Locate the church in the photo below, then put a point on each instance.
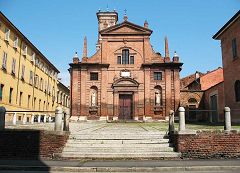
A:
(125, 79)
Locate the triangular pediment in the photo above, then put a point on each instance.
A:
(126, 28)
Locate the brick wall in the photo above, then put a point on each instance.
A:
(231, 66)
(29, 144)
(216, 144)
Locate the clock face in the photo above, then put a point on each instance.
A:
(125, 74)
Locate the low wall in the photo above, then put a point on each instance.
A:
(31, 144)
(208, 144)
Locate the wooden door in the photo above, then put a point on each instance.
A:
(125, 107)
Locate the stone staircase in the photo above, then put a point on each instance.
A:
(125, 145)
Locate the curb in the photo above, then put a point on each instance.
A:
(120, 169)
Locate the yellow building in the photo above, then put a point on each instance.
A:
(28, 80)
(63, 96)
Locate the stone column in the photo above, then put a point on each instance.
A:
(39, 118)
(58, 119)
(171, 122)
(66, 120)
(2, 117)
(227, 122)
(24, 121)
(14, 120)
(32, 119)
(49, 119)
(181, 118)
(45, 118)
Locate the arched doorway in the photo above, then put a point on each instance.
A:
(124, 94)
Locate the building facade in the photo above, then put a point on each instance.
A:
(125, 79)
(229, 35)
(28, 80)
(63, 96)
(202, 96)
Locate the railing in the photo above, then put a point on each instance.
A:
(59, 117)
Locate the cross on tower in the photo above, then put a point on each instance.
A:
(125, 15)
(125, 12)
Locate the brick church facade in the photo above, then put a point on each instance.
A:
(125, 79)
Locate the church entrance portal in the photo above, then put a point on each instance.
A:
(125, 107)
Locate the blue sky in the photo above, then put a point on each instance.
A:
(57, 27)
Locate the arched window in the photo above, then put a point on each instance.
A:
(158, 95)
(237, 90)
(93, 96)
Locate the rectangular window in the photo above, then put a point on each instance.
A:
(93, 76)
(31, 77)
(157, 75)
(33, 57)
(46, 87)
(20, 98)
(7, 34)
(131, 59)
(10, 95)
(39, 106)
(49, 89)
(24, 50)
(23, 71)
(44, 105)
(1, 92)
(4, 62)
(29, 99)
(34, 102)
(13, 66)
(36, 81)
(234, 48)
(118, 59)
(125, 56)
(15, 42)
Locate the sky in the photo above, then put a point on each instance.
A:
(57, 27)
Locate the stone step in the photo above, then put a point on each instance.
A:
(132, 149)
(122, 137)
(82, 145)
(118, 133)
(152, 155)
(118, 141)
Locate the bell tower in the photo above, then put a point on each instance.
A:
(106, 19)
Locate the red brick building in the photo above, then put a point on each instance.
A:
(201, 91)
(125, 79)
(229, 35)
